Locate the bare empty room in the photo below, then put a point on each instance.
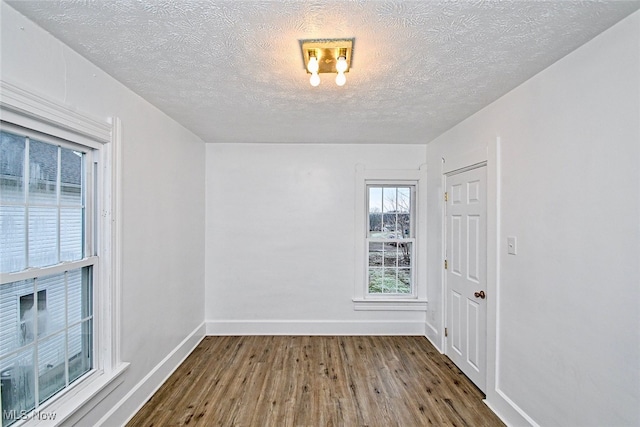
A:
(320, 213)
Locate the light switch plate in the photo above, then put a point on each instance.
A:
(512, 245)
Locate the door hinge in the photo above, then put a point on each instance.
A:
(446, 332)
(446, 264)
(446, 196)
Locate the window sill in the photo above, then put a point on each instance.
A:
(73, 402)
(389, 304)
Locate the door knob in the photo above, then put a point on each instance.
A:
(480, 294)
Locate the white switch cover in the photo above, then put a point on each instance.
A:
(512, 245)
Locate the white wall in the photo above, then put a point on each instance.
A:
(163, 204)
(567, 346)
(280, 239)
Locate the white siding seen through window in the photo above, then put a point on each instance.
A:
(46, 317)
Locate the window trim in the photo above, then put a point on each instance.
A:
(32, 111)
(362, 299)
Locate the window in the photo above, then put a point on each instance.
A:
(47, 261)
(61, 235)
(390, 239)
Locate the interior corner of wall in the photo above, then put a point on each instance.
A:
(432, 334)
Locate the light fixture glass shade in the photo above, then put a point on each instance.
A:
(313, 66)
(314, 80)
(341, 64)
(341, 79)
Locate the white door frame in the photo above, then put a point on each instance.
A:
(488, 155)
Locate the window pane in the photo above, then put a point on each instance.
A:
(404, 254)
(71, 177)
(404, 281)
(11, 167)
(80, 350)
(375, 211)
(28, 317)
(18, 385)
(404, 211)
(43, 236)
(51, 366)
(71, 232)
(375, 254)
(12, 316)
(375, 199)
(404, 225)
(404, 199)
(390, 281)
(79, 294)
(43, 172)
(13, 247)
(375, 225)
(375, 280)
(51, 305)
(33, 319)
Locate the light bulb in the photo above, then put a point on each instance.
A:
(312, 65)
(341, 64)
(341, 79)
(314, 80)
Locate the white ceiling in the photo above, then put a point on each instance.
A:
(232, 71)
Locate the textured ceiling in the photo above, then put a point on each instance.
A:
(232, 71)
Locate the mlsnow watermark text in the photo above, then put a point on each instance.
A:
(15, 415)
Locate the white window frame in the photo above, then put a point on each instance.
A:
(31, 111)
(417, 299)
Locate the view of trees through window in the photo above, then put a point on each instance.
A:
(390, 239)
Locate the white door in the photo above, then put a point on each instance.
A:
(466, 272)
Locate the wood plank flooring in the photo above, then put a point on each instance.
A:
(316, 381)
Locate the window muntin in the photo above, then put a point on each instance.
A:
(390, 239)
(46, 292)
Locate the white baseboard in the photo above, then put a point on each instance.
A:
(319, 327)
(131, 403)
(510, 413)
(434, 337)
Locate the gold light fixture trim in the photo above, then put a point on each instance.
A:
(331, 56)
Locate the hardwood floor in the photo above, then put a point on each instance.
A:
(316, 381)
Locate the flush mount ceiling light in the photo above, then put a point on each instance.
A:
(327, 56)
